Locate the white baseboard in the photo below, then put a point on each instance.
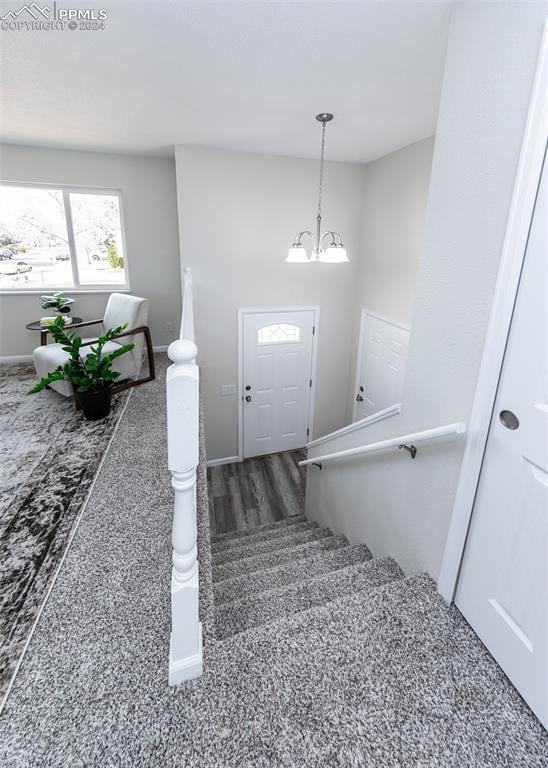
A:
(15, 359)
(226, 460)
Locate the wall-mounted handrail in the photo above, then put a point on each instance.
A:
(368, 421)
(187, 315)
(458, 428)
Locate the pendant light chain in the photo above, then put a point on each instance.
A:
(322, 154)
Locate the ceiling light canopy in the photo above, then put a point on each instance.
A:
(335, 253)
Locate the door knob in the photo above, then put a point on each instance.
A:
(248, 398)
(509, 420)
(359, 398)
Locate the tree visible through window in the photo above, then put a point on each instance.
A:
(59, 238)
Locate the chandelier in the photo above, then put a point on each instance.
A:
(335, 253)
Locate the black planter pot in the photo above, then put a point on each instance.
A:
(96, 405)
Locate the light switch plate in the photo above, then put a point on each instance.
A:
(228, 389)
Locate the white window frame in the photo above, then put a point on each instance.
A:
(77, 287)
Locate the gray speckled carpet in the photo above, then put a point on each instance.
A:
(49, 456)
(342, 664)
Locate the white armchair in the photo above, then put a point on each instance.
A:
(121, 309)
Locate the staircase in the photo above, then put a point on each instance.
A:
(314, 653)
(322, 655)
(267, 574)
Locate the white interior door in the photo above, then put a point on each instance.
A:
(381, 365)
(277, 379)
(503, 586)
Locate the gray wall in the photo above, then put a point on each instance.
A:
(394, 210)
(238, 214)
(402, 507)
(150, 215)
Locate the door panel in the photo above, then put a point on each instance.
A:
(265, 373)
(382, 365)
(503, 586)
(289, 418)
(290, 369)
(264, 422)
(277, 362)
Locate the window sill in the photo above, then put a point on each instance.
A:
(67, 291)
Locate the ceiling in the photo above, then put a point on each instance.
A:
(236, 75)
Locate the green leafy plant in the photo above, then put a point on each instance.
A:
(115, 261)
(90, 374)
(57, 301)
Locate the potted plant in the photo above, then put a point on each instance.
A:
(57, 301)
(92, 377)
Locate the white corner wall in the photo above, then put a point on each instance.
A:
(394, 209)
(150, 216)
(238, 214)
(398, 506)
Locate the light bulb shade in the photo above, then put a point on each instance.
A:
(297, 254)
(335, 254)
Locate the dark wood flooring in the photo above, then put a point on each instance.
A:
(256, 491)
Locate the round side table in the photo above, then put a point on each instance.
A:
(37, 326)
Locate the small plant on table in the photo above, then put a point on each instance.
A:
(57, 301)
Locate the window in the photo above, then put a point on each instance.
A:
(53, 237)
(280, 333)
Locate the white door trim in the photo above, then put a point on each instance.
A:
(260, 310)
(363, 316)
(513, 254)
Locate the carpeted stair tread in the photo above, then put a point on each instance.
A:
(252, 538)
(231, 554)
(321, 616)
(390, 677)
(264, 560)
(276, 604)
(258, 529)
(288, 573)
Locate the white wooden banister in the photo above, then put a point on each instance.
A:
(183, 425)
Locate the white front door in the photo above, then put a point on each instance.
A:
(277, 379)
(503, 586)
(381, 365)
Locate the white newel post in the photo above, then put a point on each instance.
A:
(182, 384)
